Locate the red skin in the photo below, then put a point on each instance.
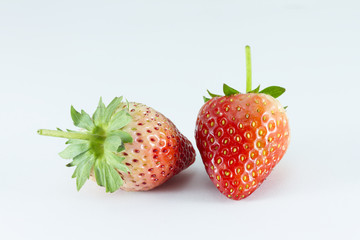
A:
(158, 151)
(241, 138)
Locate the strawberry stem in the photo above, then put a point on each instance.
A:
(61, 134)
(248, 68)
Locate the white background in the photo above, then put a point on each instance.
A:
(166, 54)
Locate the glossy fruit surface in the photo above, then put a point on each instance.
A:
(158, 151)
(241, 138)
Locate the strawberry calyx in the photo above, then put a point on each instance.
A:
(274, 91)
(97, 146)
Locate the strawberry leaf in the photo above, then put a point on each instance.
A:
(212, 94)
(125, 137)
(120, 120)
(96, 148)
(84, 163)
(73, 150)
(110, 109)
(206, 99)
(274, 91)
(99, 113)
(228, 91)
(82, 119)
(256, 90)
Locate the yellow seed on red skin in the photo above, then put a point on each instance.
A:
(253, 124)
(226, 109)
(219, 133)
(218, 178)
(234, 149)
(212, 124)
(212, 140)
(207, 115)
(240, 125)
(231, 190)
(219, 161)
(247, 115)
(223, 122)
(238, 108)
(227, 173)
(242, 158)
(238, 139)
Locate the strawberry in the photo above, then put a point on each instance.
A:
(241, 137)
(124, 145)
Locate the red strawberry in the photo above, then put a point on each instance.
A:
(128, 146)
(241, 137)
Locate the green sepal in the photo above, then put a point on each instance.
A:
(125, 137)
(98, 116)
(113, 179)
(228, 91)
(285, 107)
(116, 161)
(73, 150)
(256, 90)
(120, 120)
(106, 175)
(81, 120)
(274, 91)
(111, 108)
(84, 165)
(99, 171)
(206, 99)
(212, 94)
(112, 143)
(96, 147)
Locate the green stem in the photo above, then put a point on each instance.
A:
(248, 68)
(61, 134)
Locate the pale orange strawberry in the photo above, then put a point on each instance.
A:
(129, 146)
